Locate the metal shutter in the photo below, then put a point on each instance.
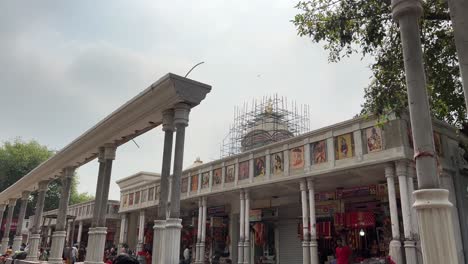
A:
(290, 247)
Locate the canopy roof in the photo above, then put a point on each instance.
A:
(139, 115)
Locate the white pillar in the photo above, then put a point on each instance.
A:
(123, 229)
(305, 223)
(19, 236)
(247, 228)
(158, 241)
(395, 244)
(80, 230)
(173, 225)
(141, 231)
(199, 225)
(6, 234)
(414, 216)
(313, 232)
(410, 244)
(160, 222)
(203, 231)
(2, 211)
(172, 238)
(240, 255)
(432, 204)
(67, 238)
(58, 237)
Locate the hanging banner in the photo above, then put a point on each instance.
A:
(255, 215)
(356, 191)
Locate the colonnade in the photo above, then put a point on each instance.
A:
(167, 228)
(309, 234)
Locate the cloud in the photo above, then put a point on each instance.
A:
(65, 65)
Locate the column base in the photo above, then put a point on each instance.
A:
(98, 244)
(410, 252)
(158, 241)
(395, 251)
(5, 242)
(17, 243)
(240, 255)
(56, 251)
(246, 252)
(172, 240)
(34, 241)
(202, 252)
(305, 252)
(314, 252)
(435, 224)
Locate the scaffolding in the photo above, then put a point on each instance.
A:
(265, 121)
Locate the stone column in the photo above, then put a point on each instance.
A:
(199, 223)
(67, 238)
(80, 231)
(58, 237)
(410, 244)
(98, 231)
(305, 223)
(35, 238)
(203, 231)
(22, 213)
(123, 230)
(6, 234)
(414, 216)
(173, 227)
(2, 211)
(395, 244)
(240, 256)
(247, 228)
(160, 222)
(141, 231)
(313, 232)
(432, 204)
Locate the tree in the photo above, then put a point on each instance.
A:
(18, 158)
(366, 27)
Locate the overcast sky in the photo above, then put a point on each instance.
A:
(65, 65)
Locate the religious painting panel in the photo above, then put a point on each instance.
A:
(344, 146)
(296, 158)
(318, 152)
(205, 180)
(151, 194)
(194, 183)
(259, 168)
(217, 176)
(130, 199)
(243, 170)
(230, 174)
(184, 185)
(374, 139)
(277, 163)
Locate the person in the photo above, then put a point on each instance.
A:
(74, 253)
(125, 259)
(342, 253)
(186, 255)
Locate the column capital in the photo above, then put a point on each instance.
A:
(204, 201)
(389, 170)
(12, 202)
(25, 195)
(303, 185)
(168, 120)
(69, 172)
(101, 154)
(181, 114)
(406, 7)
(246, 194)
(310, 183)
(401, 168)
(43, 186)
(109, 151)
(241, 194)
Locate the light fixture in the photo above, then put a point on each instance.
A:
(362, 233)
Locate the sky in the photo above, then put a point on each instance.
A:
(65, 65)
